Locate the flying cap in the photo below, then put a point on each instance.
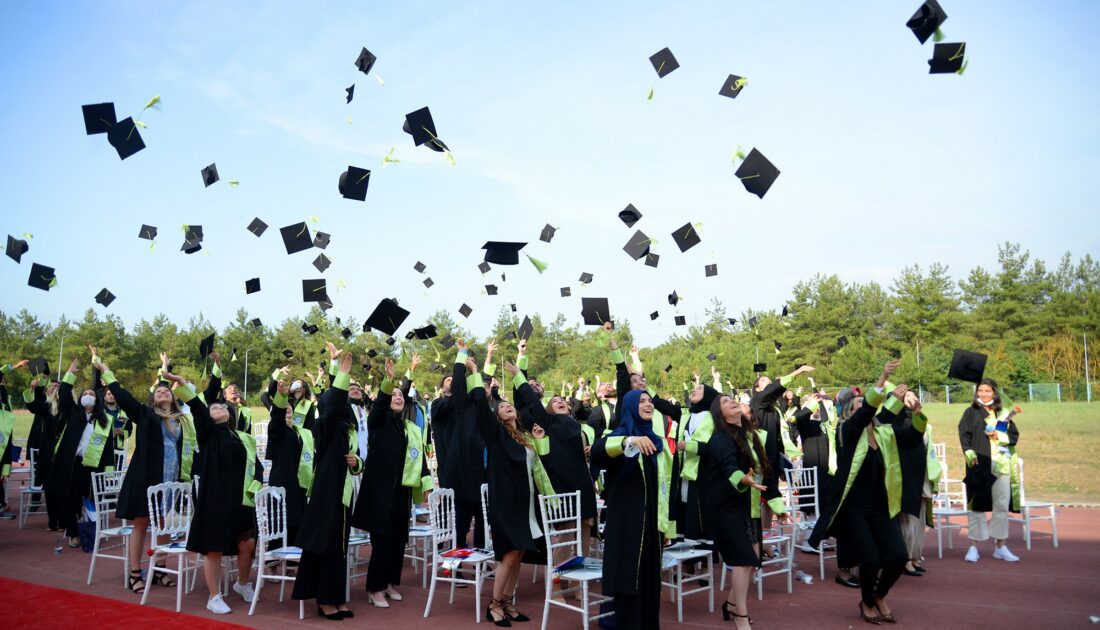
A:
(686, 237)
(125, 138)
(595, 311)
(638, 245)
(630, 215)
(354, 182)
(42, 277)
(210, 175)
(663, 62)
(421, 127)
(252, 286)
(16, 248)
(757, 174)
(296, 237)
(387, 316)
(927, 20)
(314, 290)
(967, 366)
(104, 297)
(99, 118)
(502, 253)
(365, 61)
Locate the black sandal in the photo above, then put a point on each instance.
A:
(498, 605)
(136, 583)
(728, 609)
(162, 578)
(508, 605)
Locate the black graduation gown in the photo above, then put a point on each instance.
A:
(324, 525)
(599, 420)
(387, 446)
(566, 465)
(726, 510)
(914, 469)
(979, 478)
(815, 448)
(631, 533)
(74, 421)
(768, 418)
(284, 449)
(220, 516)
(43, 434)
(463, 465)
(147, 463)
(441, 414)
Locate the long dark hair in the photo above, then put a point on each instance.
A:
(748, 427)
(98, 413)
(996, 405)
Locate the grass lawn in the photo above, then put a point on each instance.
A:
(1056, 441)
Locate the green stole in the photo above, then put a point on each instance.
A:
(410, 474)
(7, 425)
(353, 443)
(702, 435)
(305, 460)
(888, 446)
(93, 452)
(251, 485)
(301, 410)
(189, 447)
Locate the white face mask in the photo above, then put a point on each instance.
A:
(295, 386)
(87, 401)
(985, 403)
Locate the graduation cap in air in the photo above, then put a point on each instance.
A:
(257, 322)
(681, 320)
(104, 297)
(354, 182)
(778, 346)
(927, 20)
(42, 277)
(668, 368)
(125, 138)
(663, 62)
(759, 367)
(732, 321)
(296, 237)
(652, 259)
(387, 316)
(712, 357)
(513, 307)
(586, 278)
(841, 341)
(372, 353)
(365, 61)
(686, 237)
(310, 329)
(510, 334)
(638, 245)
(210, 174)
(785, 312)
(288, 354)
(483, 267)
(257, 227)
(630, 215)
(321, 240)
(967, 366)
(947, 58)
(206, 346)
(421, 127)
(39, 366)
(673, 299)
(732, 86)
(447, 342)
(654, 315)
(753, 322)
(491, 289)
(351, 92)
(547, 233)
(465, 310)
(390, 341)
(501, 253)
(428, 283)
(16, 248)
(595, 311)
(252, 286)
(321, 263)
(419, 267)
(427, 332)
(526, 328)
(757, 173)
(410, 335)
(192, 239)
(99, 118)
(314, 290)
(711, 270)
(566, 292)
(147, 232)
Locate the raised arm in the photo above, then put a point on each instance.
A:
(66, 405)
(527, 400)
(459, 397)
(204, 424)
(213, 390)
(485, 423)
(381, 406)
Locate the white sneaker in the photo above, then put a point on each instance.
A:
(217, 605)
(807, 548)
(972, 554)
(1002, 553)
(245, 591)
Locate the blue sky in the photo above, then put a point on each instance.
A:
(544, 107)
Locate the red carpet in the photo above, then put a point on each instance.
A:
(33, 606)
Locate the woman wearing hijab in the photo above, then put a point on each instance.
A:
(43, 402)
(637, 463)
(728, 481)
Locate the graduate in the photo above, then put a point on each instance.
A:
(164, 452)
(43, 402)
(230, 395)
(323, 537)
(603, 412)
(729, 478)
(767, 415)
(85, 446)
(637, 462)
(516, 478)
(866, 498)
(224, 521)
(817, 431)
(919, 475)
(395, 474)
(988, 435)
(291, 450)
(696, 430)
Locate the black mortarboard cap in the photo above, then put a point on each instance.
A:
(526, 328)
(421, 127)
(654, 315)
(686, 237)
(210, 174)
(681, 320)
(586, 278)
(252, 286)
(673, 299)
(321, 263)
(595, 311)
(928, 18)
(16, 248)
(42, 277)
(491, 289)
(419, 267)
(759, 367)
(39, 366)
(711, 270)
(668, 368)
(638, 245)
(967, 366)
(513, 307)
(427, 332)
(257, 322)
(663, 62)
(365, 61)
(192, 239)
(752, 322)
(387, 316)
(778, 345)
(565, 292)
(310, 329)
(372, 353)
(321, 239)
(147, 232)
(125, 138)
(428, 283)
(502, 253)
(351, 92)
(483, 267)
(785, 312)
(651, 260)
(206, 346)
(354, 183)
(296, 237)
(257, 227)
(99, 118)
(390, 341)
(947, 58)
(104, 297)
(841, 341)
(465, 310)
(547, 233)
(630, 215)
(511, 334)
(732, 321)
(325, 304)
(757, 173)
(447, 342)
(314, 290)
(712, 357)
(732, 86)
(288, 353)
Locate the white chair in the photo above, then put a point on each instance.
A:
(105, 489)
(561, 520)
(417, 550)
(120, 460)
(1026, 518)
(952, 488)
(358, 540)
(485, 516)
(802, 494)
(28, 505)
(441, 502)
(271, 526)
(783, 562)
(673, 563)
(266, 463)
(170, 512)
(949, 504)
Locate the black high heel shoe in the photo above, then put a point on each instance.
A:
(872, 619)
(728, 609)
(336, 616)
(508, 606)
(499, 605)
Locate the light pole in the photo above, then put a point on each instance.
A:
(1088, 384)
(246, 373)
(61, 353)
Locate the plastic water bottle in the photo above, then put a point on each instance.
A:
(804, 577)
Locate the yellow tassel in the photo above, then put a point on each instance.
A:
(541, 266)
(314, 219)
(650, 97)
(234, 182)
(141, 124)
(379, 79)
(153, 102)
(450, 158)
(349, 121)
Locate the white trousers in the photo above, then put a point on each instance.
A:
(912, 531)
(997, 525)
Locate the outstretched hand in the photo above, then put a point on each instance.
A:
(282, 387)
(389, 369)
(74, 366)
(511, 368)
(415, 361)
(333, 352)
(101, 366)
(538, 432)
(346, 359)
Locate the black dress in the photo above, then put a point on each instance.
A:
(43, 436)
(284, 449)
(815, 447)
(147, 463)
(462, 468)
(726, 508)
(767, 417)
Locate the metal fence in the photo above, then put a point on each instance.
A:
(1074, 391)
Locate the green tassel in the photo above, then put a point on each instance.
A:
(450, 158)
(349, 121)
(541, 266)
(650, 97)
(389, 159)
(379, 79)
(153, 102)
(962, 68)
(937, 36)
(234, 183)
(141, 124)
